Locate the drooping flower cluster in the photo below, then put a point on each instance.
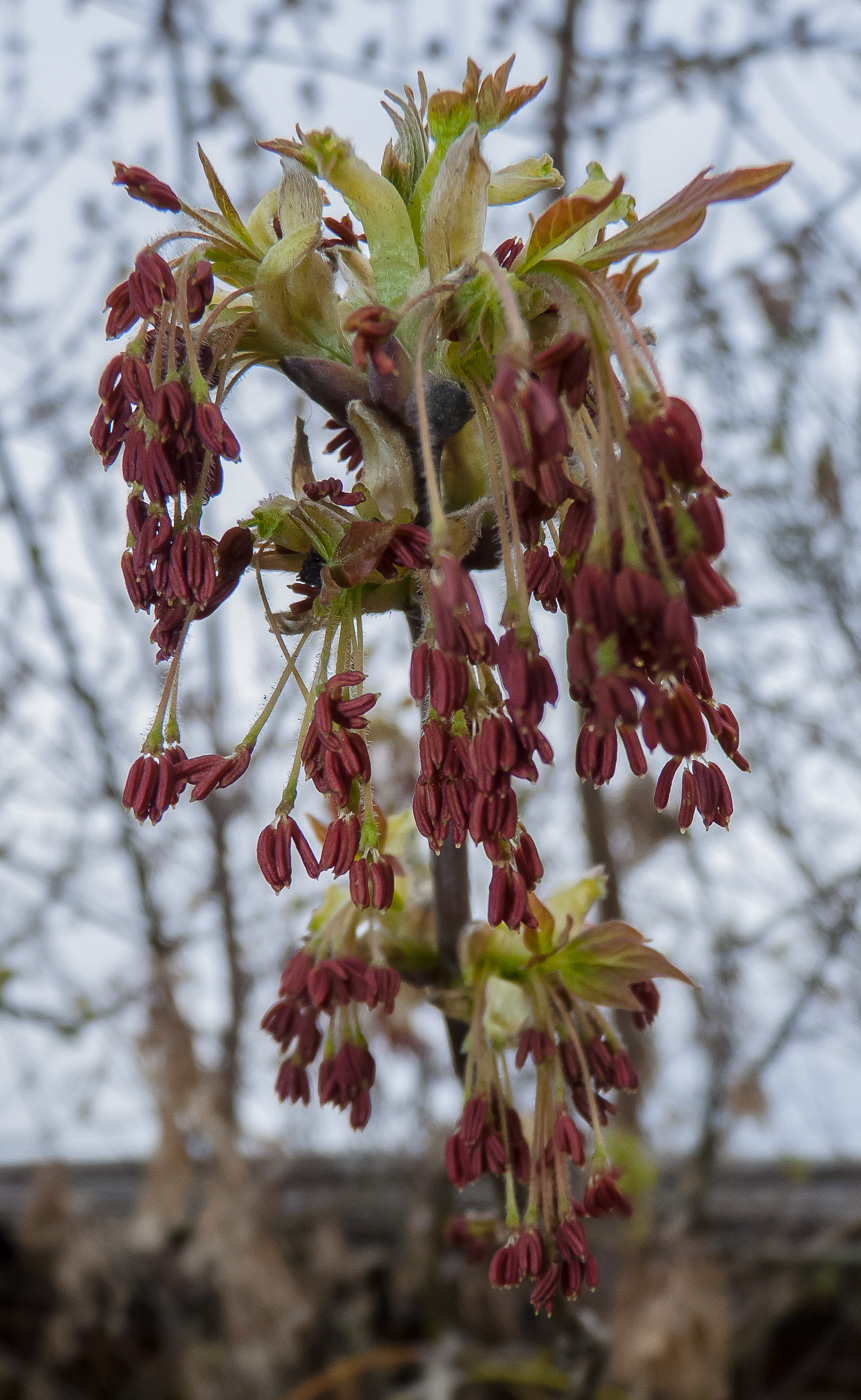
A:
(335, 987)
(537, 991)
(497, 410)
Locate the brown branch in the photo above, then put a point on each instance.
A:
(558, 128)
(349, 1367)
(450, 875)
(811, 985)
(238, 980)
(156, 938)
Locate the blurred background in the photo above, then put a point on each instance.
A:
(167, 1229)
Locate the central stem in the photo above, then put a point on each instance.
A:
(450, 876)
(451, 906)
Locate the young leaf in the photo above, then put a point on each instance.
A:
(573, 902)
(359, 551)
(301, 470)
(622, 207)
(387, 469)
(371, 199)
(601, 964)
(514, 183)
(457, 208)
(225, 203)
(563, 219)
(680, 217)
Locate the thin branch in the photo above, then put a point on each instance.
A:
(89, 703)
(559, 130)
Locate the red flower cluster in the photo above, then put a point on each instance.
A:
(328, 986)
(172, 449)
(549, 1244)
(631, 596)
(334, 753)
(591, 493)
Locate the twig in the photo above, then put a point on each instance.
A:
(349, 1367)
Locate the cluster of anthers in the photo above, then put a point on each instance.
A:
(498, 411)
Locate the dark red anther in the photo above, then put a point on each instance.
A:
(383, 984)
(708, 518)
(503, 1271)
(331, 489)
(649, 998)
(212, 771)
(214, 432)
(536, 1043)
(281, 1021)
(121, 314)
(456, 1163)
(508, 252)
(603, 1197)
(563, 368)
(571, 1279)
(593, 600)
(571, 1238)
(527, 860)
(706, 591)
(419, 671)
(151, 284)
(625, 1074)
(199, 289)
(723, 809)
(595, 755)
(634, 752)
(543, 1294)
(568, 1139)
(341, 844)
(140, 184)
(292, 1083)
(664, 785)
(360, 892)
(687, 806)
(530, 1253)
(371, 327)
(360, 1110)
(294, 978)
(309, 1037)
(274, 852)
(678, 631)
(381, 878)
(172, 409)
(672, 441)
(706, 792)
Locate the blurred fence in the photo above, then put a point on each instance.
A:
(760, 1298)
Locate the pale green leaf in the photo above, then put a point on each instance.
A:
(514, 183)
(563, 219)
(387, 470)
(228, 210)
(457, 209)
(680, 217)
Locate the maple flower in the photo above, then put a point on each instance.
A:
(498, 411)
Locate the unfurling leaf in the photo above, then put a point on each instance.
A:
(371, 199)
(457, 208)
(570, 904)
(601, 964)
(680, 217)
(301, 470)
(514, 183)
(225, 204)
(595, 187)
(505, 1011)
(359, 552)
(563, 219)
(387, 470)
